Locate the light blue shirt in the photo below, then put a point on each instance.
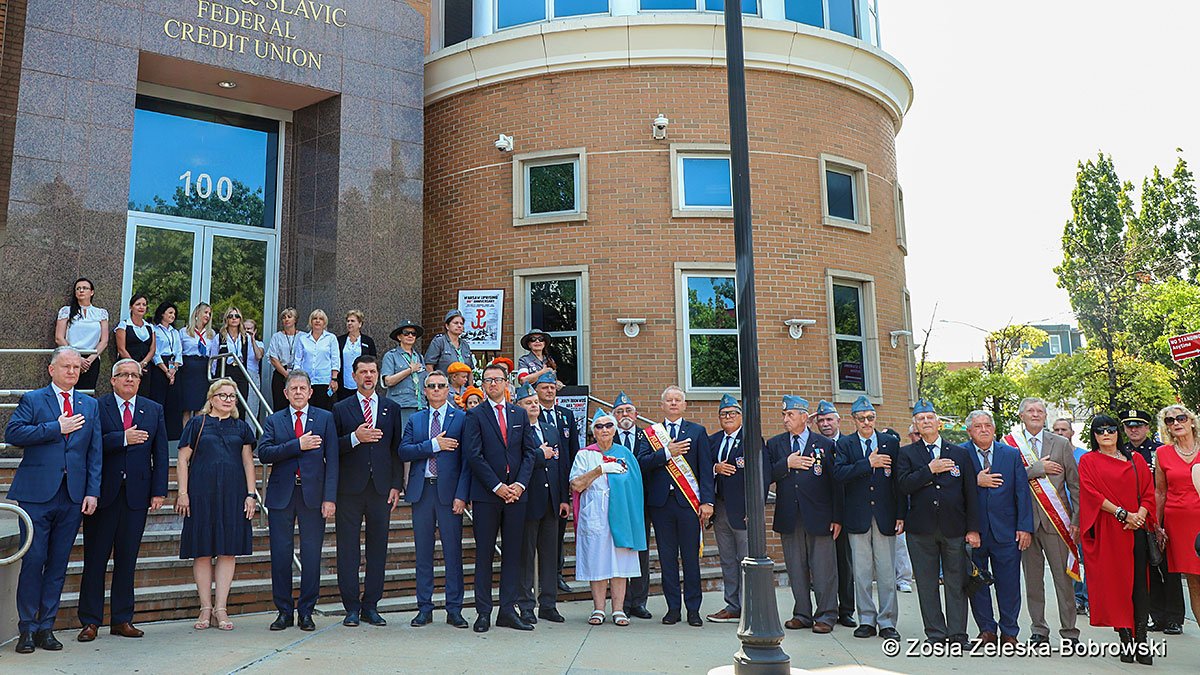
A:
(803, 436)
(979, 453)
(351, 351)
(429, 430)
(167, 342)
(874, 443)
(318, 358)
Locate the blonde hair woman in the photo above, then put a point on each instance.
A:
(1178, 504)
(321, 359)
(352, 345)
(199, 342)
(284, 351)
(233, 339)
(216, 498)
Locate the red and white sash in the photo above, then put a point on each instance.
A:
(680, 471)
(1047, 497)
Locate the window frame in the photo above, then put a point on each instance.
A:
(859, 184)
(683, 331)
(523, 277)
(858, 20)
(870, 337)
(901, 225)
(682, 151)
(1050, 345)
(520, 199)
(910, 358)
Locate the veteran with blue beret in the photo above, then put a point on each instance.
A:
(630, 436)
(729, 507)
(827, 422)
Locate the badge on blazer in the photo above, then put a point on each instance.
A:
(816, 469)
(556, 453)
(740, 462)
(954, 471)
(887, 472)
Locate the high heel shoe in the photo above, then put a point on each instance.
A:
(204, 620)
(1143, 655)
(226, 624)
(1126, 644)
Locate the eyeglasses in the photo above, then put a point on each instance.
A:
(1181, 418)
(408, 332)
(729, 413)
(436, 385)
(131, 376)
(492, 380)
(537, 338)
(605, 425)
(226, 397)
(865, 418)
(235, 316)
(1106, 430)
(83, 288)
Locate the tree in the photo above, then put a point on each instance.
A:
(971, 388)
(1169, 309)
(1086, 376)
(244, 207)
(714, 357)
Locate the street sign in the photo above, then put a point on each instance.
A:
(1185, 346)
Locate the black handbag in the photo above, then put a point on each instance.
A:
(1154, 554)
(977, 579)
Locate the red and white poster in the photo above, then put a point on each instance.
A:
(1185, 346)
(483, 312)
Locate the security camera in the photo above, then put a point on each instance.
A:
(504, 143)
(659, 128)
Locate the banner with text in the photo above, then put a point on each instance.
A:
(484, 315)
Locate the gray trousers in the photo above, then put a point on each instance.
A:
(804, 554)
(1048, 547)
(732, 547)
(904, 572)
(874, 558)
(541, 539)
(928, 552)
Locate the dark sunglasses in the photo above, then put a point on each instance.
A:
(436, 385)
(235, 316)
(1135, 424)
(408, 332)
(605, 425)
(1106, 430)
(537, 338)
(1181, 418)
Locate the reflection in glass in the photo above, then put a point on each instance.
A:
(162, 268)
(850, 366)
(712, 331)
(839, 188)
(668, 4)
(706, 182)
(239, 276)
(805, 11)
(711, 302)
(847, 316)
(552, 188)
(748, 6)
(843, 17)
(580, 7)
(714, 360)
(554, 308)
(516, 12)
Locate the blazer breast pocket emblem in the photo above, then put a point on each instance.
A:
(740, 462)
(887, 471)
(954, 471)
(816, 469)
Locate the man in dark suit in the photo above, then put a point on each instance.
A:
(57, 483)
(808, 516)
(873, 514)
(677, 519)
(133, 480)
(630, 436)
(370, 476)
(1006, 519)
(300, 443)
(729, 506)
(439, 485)
(564, 420)
(828, 422)
(943, 510)
(499, 444)
(548, 503)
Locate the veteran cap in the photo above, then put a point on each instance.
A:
(861, 404)
(825, 408)
(728, 401)
(523, 392)
(795, 403)
(923, 406)
(546, 378)
(622, 399)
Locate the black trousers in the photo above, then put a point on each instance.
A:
(1166, 595)
(1141, 586)
(351, 509)
(321, 397)
(507, 520)
(112, 531)
(845, 570)
(541, 542)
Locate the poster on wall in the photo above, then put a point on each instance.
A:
(483, 312)
(578, 405)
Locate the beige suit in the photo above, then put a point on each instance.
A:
(1047, 546)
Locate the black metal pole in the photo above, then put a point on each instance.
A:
(760, 631)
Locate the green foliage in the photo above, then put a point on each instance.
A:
(972, 388)
(1169, 309)
(163, 269)
(243, 208)
(552, 188)
(1084, 377)
(930, 381)
(714, 357)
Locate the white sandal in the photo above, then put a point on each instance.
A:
(597, 617)
(620, 618)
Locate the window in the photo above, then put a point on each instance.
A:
(555, 300)
(844, 201)
(708, 318)
(836, 15)
(854, 347)
(748, 6)
(457, 19)
(843, 16)
(901, 226)
(909, 346)
(700, 181)
(550, 187)
(668, 4)
(873, 22)
(579, 7)
(811, 12)
(511, 13)
(1055, 344)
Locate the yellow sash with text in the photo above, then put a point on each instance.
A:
(679, 470)
(1047, 497)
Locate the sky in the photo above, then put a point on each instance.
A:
(1009, 98)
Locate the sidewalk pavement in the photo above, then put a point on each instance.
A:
(572, 647)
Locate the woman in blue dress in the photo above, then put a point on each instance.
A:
(217, 498)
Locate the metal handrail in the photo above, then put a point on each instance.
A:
(4, 506)
(237, 361)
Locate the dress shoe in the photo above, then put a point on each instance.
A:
(126, 629)
(822, 627)
(482, 623)
(671, 617)
(305, 622)
(422, 619)
(45, 640)
(639, 611)
(889, 633)
(284, 620)
(1173, 629)
(694, 619)
(351, 619)
(724, 616)
(562, 585)
(456, 619)
(371, 616)
(550, 614)
(797, 624)
(1155, 626)
(25, 642)
(1081, 608)
(986, 637)
(904, 587)
(512, 620)
(1039, 640)
(847, 621)
(88, 633)
(864, 631)
(1009, 640)
(527, 616)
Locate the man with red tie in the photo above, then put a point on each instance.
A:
(499, 446)
(300, 443)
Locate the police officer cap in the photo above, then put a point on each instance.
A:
(825, 408)
(923, 406)
(546, 378)
(524, 391)
(622, 399)
(1135, 417)
(861, 404)
(728, 401)
(795, 403)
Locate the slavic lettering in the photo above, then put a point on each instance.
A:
(275, 31)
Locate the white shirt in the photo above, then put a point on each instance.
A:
(142, 331)
(429, 430)
(351, 351)
(303, 416)
(374, 403)
(58, 396)
(937, 447)
(84, 332)
(319, 358)
(167, 343)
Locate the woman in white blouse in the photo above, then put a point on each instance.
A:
(135, 339)
(199, 342)
(160, 387)
(84, 327)
(321, 359)
(233, 339)
(284, 351)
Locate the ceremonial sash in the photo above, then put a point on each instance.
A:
(679, 470)
(1047, 497)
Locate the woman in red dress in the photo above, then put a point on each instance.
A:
(1116, 496)
(1178, 503)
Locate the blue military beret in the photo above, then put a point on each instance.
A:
(795, 403)
(547, 378)
(622, 399)
(523, 392)
(825, 408)
(923, 406)
(861, 404)
(728, 401)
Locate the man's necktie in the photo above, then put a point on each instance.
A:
(367, 416)
(987, 460)
(503, 422)
(1037, 445)
(299, 433)
(627, 442)
(67, 406)
(931, 447)
(435, 428)
(674, 430)
(127, 418)
(867, 444)
(795, 444)
(725, 450)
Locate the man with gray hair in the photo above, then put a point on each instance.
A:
(1050, 463)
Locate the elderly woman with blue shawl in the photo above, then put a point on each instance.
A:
(609, 523)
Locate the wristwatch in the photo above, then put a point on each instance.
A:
(252, 495)
(1121, 514)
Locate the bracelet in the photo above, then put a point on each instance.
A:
(1121, 514)
(253, 496)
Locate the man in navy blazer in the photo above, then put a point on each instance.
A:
(729, 506)
(370, 477)
(439, 486)
(677, 525)
(549, 498)
(133, 481)
(563, 420)
(630, 436)
(1006, 527)
(808, 516)
(499, 444)
(300, 442)
(872, 515)
(57, 483)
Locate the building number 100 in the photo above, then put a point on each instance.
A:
(204, 186)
